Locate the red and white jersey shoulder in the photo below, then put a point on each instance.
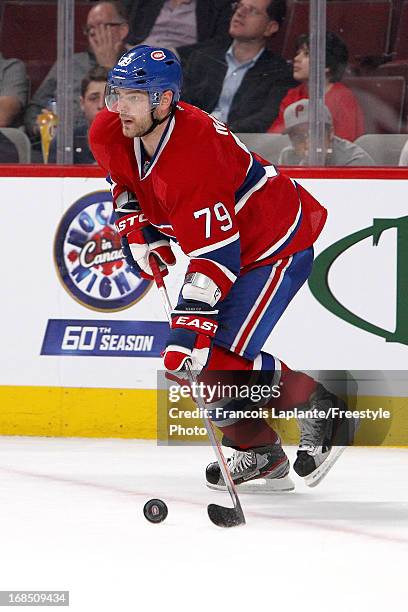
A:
(204, 188)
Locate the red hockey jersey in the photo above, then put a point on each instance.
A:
(228, 212)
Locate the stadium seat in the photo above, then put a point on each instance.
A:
(382, 100)
(364, 26)
(268, 146)
(275, 43)
(385, 149)
(400, 48)
(29, 32)
(397, 68)
(21, 141)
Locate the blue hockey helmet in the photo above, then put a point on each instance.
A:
(145, 68)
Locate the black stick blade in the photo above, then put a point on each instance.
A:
(225, 517)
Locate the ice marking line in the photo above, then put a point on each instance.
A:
(335, 528)
(304, 523)
(91, 485)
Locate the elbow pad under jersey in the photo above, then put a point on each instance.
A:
(201, 288)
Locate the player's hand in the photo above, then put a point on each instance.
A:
(141, 251)
(127, 254)
(193, 328)
(139, 239)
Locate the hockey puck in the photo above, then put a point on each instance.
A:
(155, 510)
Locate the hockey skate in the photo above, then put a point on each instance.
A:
(263, 469)
(322, 440)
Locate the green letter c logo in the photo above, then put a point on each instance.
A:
(319, 286)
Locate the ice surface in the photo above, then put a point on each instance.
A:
(71, 519)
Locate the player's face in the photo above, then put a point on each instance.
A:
(251, 21)
(133, 107)
(301, 64)
(93, 100)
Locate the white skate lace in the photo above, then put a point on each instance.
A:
(311, 433)
(313, 430)
(240, 461)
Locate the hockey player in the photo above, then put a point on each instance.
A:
(178, 173)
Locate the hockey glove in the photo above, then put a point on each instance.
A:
(139, 239)
(193, 327)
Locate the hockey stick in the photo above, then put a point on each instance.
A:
(219, 515)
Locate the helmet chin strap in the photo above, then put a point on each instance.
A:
(156, 122)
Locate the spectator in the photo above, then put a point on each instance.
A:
(242, 83)
(14, 88)
(8, 151)
(91, 101)
(348, 119)
(181, 25)
(106, 28)
(339, 152)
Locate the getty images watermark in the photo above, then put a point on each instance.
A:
(258, 396)
(212, 392)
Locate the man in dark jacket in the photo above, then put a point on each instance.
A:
(242, 83)
(182, 25)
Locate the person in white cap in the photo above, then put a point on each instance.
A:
(339, 152)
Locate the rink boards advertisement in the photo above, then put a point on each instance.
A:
(82, 335)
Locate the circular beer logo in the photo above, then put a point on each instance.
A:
(89, 259)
